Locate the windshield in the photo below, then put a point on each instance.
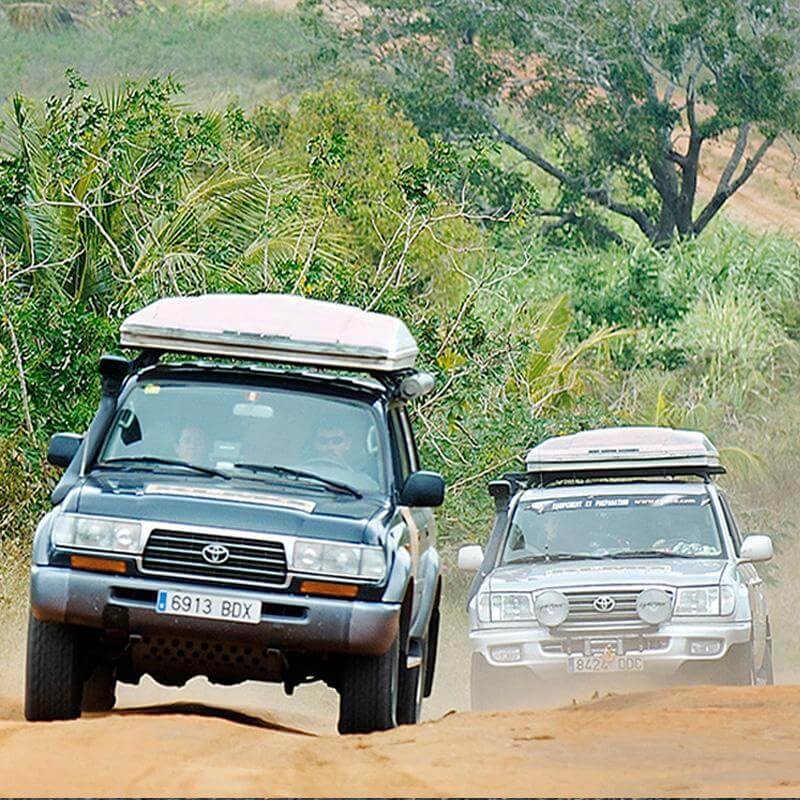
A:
(613, 526)
(248, 430)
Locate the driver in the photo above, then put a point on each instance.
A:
(333, 443)
(337, 456)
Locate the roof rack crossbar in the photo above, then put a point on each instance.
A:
(531, 479)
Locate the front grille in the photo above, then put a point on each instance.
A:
(251, 561)
(582, 608)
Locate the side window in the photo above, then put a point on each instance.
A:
(731, 523)
(400, 452)
(411, 445)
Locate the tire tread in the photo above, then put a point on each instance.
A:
(53, 684)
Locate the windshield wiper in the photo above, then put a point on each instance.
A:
(111, 463)
(649, 554)
(554, 557)
(277, 469)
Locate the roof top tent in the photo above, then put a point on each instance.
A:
(628, 452)
(280, 328)
(273, 327)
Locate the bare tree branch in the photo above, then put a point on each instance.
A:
(721, 196)
(735, 157)
(600, 195)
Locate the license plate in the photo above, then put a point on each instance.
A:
(605, 663)
(229, 608)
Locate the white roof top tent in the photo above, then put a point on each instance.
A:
(625, 451)
(273, 327)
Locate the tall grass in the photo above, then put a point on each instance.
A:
(221, 52)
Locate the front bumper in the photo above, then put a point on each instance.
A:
(291, 623)
(666, 652)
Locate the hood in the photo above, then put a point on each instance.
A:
(590, 574)
(250, 505)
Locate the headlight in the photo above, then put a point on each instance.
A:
(505, 607)
(653, 606)
(552, 608)
(342, 560)
(708, 601)
(117, 535)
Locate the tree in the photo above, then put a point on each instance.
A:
(613, 99)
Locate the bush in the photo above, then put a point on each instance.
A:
(349, 204)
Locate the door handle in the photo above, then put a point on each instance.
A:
(755, 582)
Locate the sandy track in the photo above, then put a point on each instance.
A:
(697, 741)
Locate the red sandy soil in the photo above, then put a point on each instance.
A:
(691, 741)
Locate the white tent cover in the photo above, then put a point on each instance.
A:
(621, 448)
(273, 327)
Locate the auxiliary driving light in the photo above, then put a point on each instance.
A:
(654, 606)
(551, 608)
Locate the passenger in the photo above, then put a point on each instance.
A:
(192, 445)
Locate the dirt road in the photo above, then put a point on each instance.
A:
(698, 741)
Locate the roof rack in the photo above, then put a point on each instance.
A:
(272, 327)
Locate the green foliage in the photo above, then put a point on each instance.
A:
(113, 199)
(24, 494)
(625, 94)
(713, 322)
(59, 344)
(735, 350)
(109, 200)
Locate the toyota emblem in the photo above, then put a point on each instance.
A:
(604, 603)
(216, 553)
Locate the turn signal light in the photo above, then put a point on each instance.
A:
(329, 589)
(98, 564)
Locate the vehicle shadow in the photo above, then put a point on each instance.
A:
(218, 712)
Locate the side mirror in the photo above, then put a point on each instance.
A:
(756, 547)
(470, 557)
(62, 448)
(423, 489)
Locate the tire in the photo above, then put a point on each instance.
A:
(100, 689)
(53, 681)
(432, 648)
(742, 669)
(766, 675)
(368, 692)
(482, 686)
(411, 690)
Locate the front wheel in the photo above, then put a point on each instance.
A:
(99, 691)
(482, 685)
(742, 670)
(412, 689)
(53, 680)
(368, 692)
(766, 674)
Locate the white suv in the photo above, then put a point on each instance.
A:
(615, 562)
